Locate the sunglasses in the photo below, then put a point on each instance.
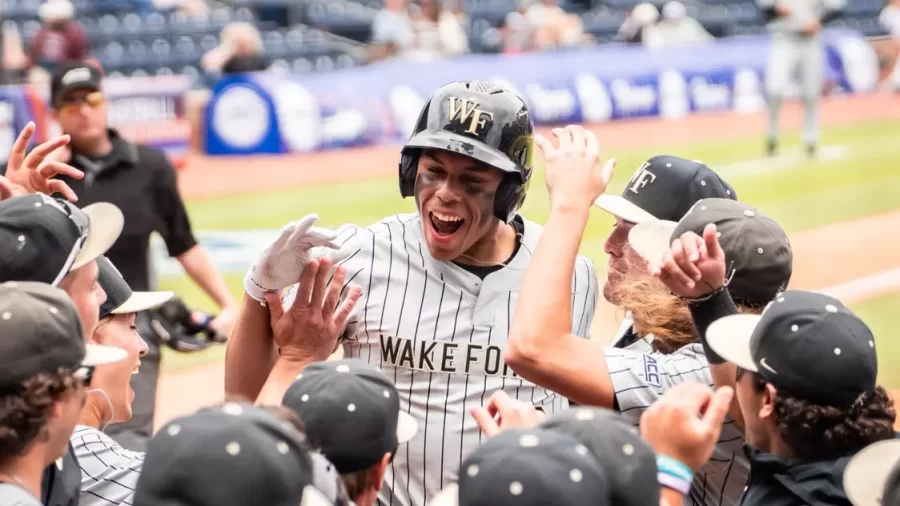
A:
(85, 374)
(93, 99)
(82, 223)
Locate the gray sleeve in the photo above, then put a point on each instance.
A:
(109, 473)
(584, 297)
(640, 378)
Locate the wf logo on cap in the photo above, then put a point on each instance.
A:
(641, 178)
(76, 75)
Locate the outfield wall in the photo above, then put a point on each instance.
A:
(274, 113)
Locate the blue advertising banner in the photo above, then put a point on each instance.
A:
(279, 113)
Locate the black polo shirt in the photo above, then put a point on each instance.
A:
(141, 182)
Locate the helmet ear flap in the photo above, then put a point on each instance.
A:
(509, 198)
(409, 161)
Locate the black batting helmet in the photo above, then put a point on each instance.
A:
(483, 121)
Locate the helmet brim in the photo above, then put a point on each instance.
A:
(466, 146)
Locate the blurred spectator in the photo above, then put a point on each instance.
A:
(437, 33)
(15, 61)
(554, 27)
(640, 26)
(890, 21)
(679, 29)
(59, 39)
(392, 31)
(240, 50)
(187, 7)
(518, 34)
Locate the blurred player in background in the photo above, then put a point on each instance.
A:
(142, 183)
(796, 46)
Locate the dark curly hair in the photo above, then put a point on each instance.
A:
(816, 432)
(25, 410)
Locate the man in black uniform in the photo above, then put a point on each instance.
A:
(141, 182)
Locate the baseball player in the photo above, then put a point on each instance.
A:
(796, 45)
(631, 378)
(438, 286)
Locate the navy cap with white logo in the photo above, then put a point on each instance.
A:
(627, 460)
(233, 455)
(664, 188)
(758, 254)
(351, 412)
(40, 332)
(120, 299)
(528, 467)
(805, 343)
(43, 238)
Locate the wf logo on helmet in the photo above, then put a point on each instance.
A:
(464, 111)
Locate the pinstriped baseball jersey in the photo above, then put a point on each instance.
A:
(640, 377)
(440, 332)
(109, 473)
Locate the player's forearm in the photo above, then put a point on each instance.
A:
(543, 314)
(283, 374)
(250, 352)
(200, 269)
(541, 346)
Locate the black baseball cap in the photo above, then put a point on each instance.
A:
(351, 412)
(664, 188)
(758, 255)
(233, 455)
(628, 461)
(530, 467)
(872, 478)
(40, 332)
(74, 75)
(805, 343)
(119, 297)
(43, 238)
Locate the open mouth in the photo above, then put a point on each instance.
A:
(445, 225)
(136, 370)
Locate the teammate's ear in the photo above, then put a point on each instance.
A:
(767, 402)
(380, 469)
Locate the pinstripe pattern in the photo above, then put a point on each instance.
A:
(109, 473)
(440, 332)
(640, 377)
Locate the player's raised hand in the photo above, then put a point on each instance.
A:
(685, 423)
(694, 266)
(35, 171)
(503, 412)
(310, 328)
(574, 175)
(281, 263)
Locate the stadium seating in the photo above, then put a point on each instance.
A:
(130, 38)
(159, 43)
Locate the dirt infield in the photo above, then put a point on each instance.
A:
(823, 257)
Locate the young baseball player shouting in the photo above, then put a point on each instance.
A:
(438, 287)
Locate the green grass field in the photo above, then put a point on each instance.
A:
(808, 194)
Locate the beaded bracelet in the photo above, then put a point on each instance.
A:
(674, 474)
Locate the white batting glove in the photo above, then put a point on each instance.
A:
(282, 262)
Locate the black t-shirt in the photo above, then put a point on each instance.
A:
(482, 271)
(141, 182)
(61, 484)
